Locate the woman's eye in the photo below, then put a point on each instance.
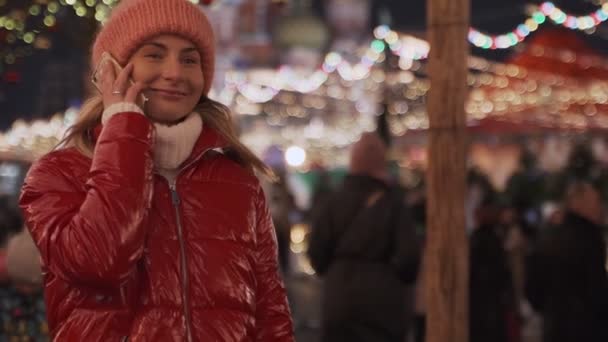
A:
(153, 55)
(190, 61)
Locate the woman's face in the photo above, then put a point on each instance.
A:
(170, 68)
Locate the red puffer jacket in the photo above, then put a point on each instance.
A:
(127, 255)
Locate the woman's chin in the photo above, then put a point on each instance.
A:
(166, 118)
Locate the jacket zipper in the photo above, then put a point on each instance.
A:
(176, 200)
(182, 255)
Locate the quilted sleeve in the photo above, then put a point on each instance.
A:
(93, 237)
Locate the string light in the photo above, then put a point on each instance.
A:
(545, 10)
(285, 79)
(500, 95)
(408, 51)
(500, 92)
(15, 21)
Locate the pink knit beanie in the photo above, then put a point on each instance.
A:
(132, 22)
(368, 156)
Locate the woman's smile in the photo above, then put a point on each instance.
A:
(168, 94)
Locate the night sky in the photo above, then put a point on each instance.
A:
(28, 98)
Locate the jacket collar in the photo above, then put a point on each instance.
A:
(209, 139)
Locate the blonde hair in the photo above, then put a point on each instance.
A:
(214, 114)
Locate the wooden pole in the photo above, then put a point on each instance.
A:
(447, 242)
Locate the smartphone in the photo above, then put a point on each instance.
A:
(98, 73)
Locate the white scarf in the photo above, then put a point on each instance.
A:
(174, 143)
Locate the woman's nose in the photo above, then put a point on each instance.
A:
(172, 69)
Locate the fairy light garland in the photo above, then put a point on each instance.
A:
(18, 22)
(504, 95)
(532, 101)
(505, 92)
(547, 10)
(100, 9)
(411, 50)
(15, 22)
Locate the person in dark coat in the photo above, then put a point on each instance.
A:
(566, 279)
(281, 204)
(491, 292)
(364, 246)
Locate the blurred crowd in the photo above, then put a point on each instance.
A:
(537, 253)
(537, 250)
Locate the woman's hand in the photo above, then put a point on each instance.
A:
(119, 88)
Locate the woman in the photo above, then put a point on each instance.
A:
(150, 222)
